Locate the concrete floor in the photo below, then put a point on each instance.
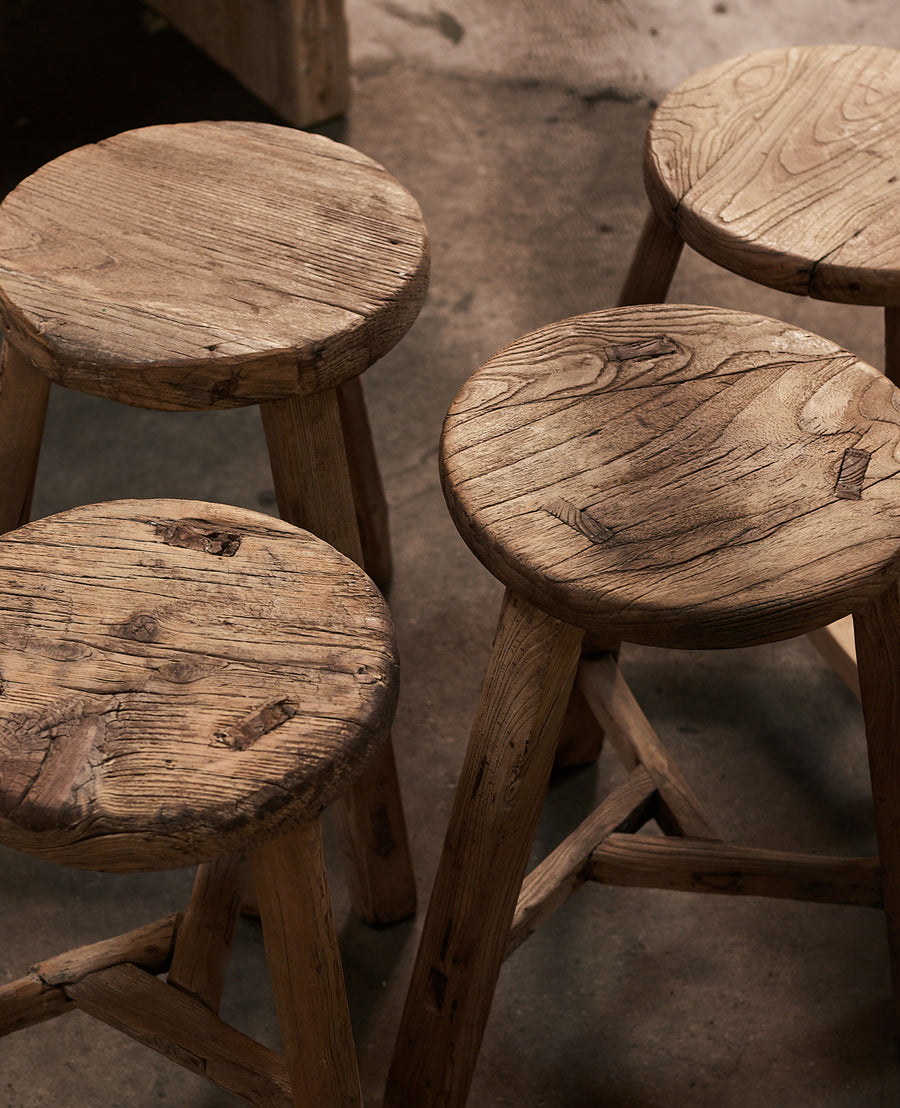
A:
(520, 134)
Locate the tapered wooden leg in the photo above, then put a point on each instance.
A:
(23, 406)
(200, 955)
(313, 489)
(492, 825)
(365, 480)
(892, 344)
(305, 966)
(653, 264)
(878, 655)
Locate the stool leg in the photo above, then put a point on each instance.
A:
(492, 825)
(365, 479)
(653, 264)
(878, 656)
(23, 405)
(892, 344)
(305, 966)
(312, 485)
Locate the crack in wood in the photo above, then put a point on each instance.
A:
(644, 348)
(579, 521)
(199, 536)
(852, 474)
(249, 731)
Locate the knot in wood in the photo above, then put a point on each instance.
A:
(199, 536)
(141, 627)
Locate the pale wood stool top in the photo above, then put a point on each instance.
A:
(679, 476)
(179, 681)
(209, 265)
(784, 166)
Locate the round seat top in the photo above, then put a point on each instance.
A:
(784, 166)
(679, 476)
(199, 265)
(179, 681)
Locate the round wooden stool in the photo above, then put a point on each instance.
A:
(215, 265)
(674, 476)
(783, 166)
(182, 681)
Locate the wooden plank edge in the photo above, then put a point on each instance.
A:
(554, 879)
(184, 1030)
(40, 995)
(650, 861)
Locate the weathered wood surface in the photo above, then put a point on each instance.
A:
(23, 405)
(184, 1030)
(680, 476)
(314, 489)
(305, 967)
(209, 265)
(691, 865)
(41, 994)
(180, 680)
(292, 54)
(492, 824)
(784, 166)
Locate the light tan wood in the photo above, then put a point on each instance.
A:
(209, 265)
(305, 963)
(782, 166)
(586, 459)
(563, 871)
(23, 405)
(837, 646)
(40, 995)
(677, 475)
(159, 642)
(653, 264)
(200, 954)
(184, 1030)
(495, 812)
(314, 490)
(291, 53)
(653, 862)
(365, 479)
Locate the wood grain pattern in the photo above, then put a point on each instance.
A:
(492, 824)
(41, 994)
(305, 966)
(160, 703)
(784, 166)
(711, 460)
(209, 265)
(314, 490)
(653, 862)
(23, 406)
(184, 1030)
(291, 53)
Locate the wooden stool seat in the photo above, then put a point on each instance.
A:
(784, 166)
(209, 265)
(653, 472)
(201, 266)
(182, 681)
(675, 476)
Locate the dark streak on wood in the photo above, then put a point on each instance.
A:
(194, 536)
(251, 730)
(141, 627)
(580, 521)
(382, 834)
(645, 348)
(852, 474)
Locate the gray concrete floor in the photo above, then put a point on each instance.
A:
(519, 129)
